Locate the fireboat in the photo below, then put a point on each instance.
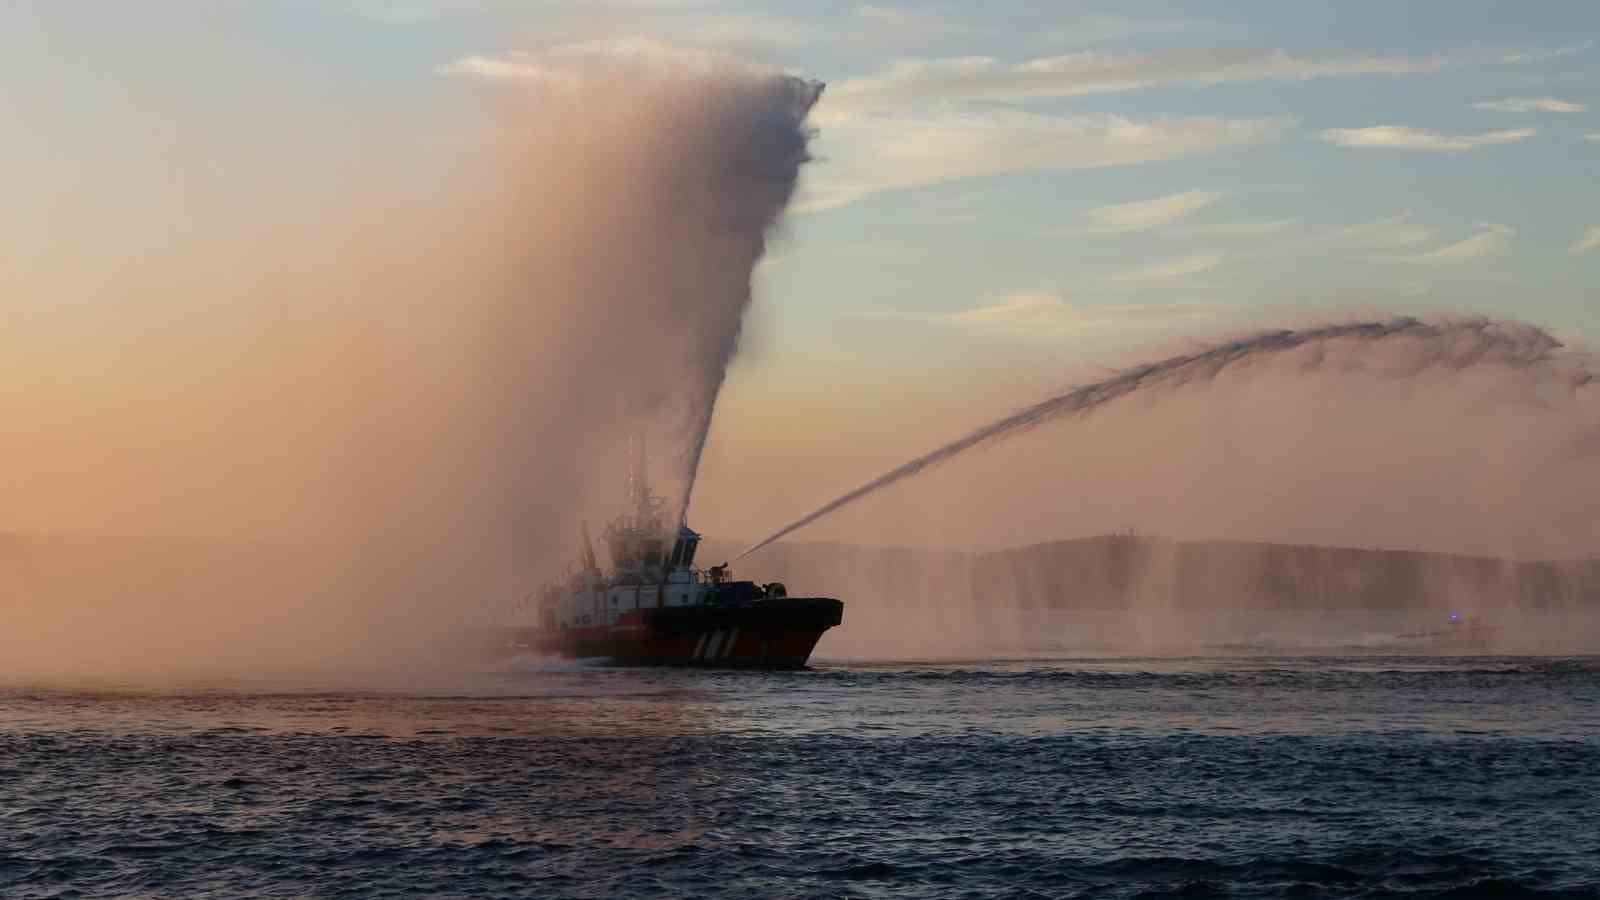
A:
(655, 608)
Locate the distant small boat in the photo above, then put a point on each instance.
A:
(655, 608)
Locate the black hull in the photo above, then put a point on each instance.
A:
(766, 634)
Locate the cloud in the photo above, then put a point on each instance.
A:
(1491, 241)
(407, 11)
(882, 24)
(986, 78)
(1242, 229)
(505, 67)
(1526, 56)
(725, 30)
(888, 149)
(1404, 137)
(1014, 308)
(1389, 239)
(1142, 215)
(1588, 240)
(1096, 29)
(560, 66)
(416, 12)
(924, 121)
(403, 14)
(1048, 316)
(901, 24)
(1529, 104)
(1165, 270)
(1393, 231)
(621, 29)
(930, 121)
(878, 153)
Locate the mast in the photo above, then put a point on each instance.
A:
(639, 479)
(588, 560)
(635, 537)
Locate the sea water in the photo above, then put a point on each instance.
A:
(1244, 775)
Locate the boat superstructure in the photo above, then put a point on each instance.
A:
(656, 607)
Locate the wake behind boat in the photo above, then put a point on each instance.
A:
(655, 608)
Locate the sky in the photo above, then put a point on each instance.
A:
(1005, 198)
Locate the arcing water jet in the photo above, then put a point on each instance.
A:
(1449, 344)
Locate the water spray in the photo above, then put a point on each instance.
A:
(1457, 343)
(772, 173)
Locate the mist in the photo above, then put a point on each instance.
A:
(351, 445)
(1474, 442)
(1453, 345)
(352, 440)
